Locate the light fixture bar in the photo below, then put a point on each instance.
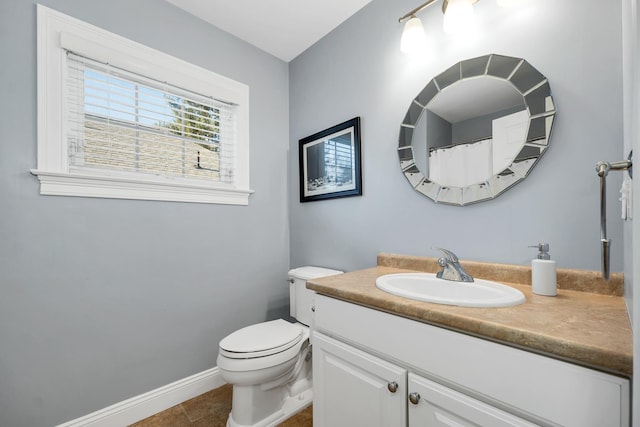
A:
(424, 6)
(416, 10)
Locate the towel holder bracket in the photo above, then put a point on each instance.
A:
(603, 168)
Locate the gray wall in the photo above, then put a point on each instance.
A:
(102, 300)
(479, 128)
(631, 62)
(575, 43)
(439, 132)
(631, 126)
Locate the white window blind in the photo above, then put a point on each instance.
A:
(122, 122)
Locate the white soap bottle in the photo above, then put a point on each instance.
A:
(543, 272)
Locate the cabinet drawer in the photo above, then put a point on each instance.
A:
(545, 390)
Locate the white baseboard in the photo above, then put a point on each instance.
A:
(140, 407)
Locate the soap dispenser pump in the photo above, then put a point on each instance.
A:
(543, 272)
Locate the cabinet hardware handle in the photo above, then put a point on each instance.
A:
(392, 386)
(313, 308)
(414, 398)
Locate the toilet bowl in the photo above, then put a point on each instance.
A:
(269, 363)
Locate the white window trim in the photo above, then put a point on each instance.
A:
(58, 32)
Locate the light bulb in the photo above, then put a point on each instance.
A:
(413, 38)
(458, 16)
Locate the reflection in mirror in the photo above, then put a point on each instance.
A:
(476, 129)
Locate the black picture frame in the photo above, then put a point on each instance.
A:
(330, 163)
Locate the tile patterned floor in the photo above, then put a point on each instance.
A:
(210, 409)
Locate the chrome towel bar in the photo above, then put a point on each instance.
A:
(603, 168)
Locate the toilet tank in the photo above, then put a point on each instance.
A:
(301, 298)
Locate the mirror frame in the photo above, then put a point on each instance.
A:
(536, 95)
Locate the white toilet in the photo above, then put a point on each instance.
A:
(269, 364)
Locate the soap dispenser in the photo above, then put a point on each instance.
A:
(543, 272)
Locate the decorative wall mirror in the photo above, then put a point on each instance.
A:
(476, 130)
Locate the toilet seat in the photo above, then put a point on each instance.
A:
(262, 339)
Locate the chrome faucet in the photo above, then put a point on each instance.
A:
(451, 268)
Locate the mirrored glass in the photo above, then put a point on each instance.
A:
(450, 196)
(526, 77)
(471, 134)
(476, 193)
(537, 99)
(502, 66)
(428, 188)
(448, 77)
(427, 93)
(474, 67)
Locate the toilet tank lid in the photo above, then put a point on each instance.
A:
(311, 272)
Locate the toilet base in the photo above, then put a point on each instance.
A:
(265, 405)
(290, 406)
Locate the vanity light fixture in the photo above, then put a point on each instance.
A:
(458, 16)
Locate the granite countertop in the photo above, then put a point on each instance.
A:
(580, 326)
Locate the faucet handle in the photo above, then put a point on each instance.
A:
(451, 268)
(448, 254)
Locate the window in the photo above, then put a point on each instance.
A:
(121, 121)
(117, 119)
(338, 156)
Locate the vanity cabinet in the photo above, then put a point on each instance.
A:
(369, 366)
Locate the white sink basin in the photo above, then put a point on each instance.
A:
(427, 287)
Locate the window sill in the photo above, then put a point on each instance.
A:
(116, 187)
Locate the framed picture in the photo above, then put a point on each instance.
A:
(330, 163)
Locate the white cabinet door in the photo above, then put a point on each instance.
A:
(434, 405)
(352, 388)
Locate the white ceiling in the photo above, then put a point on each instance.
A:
(283, 28)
